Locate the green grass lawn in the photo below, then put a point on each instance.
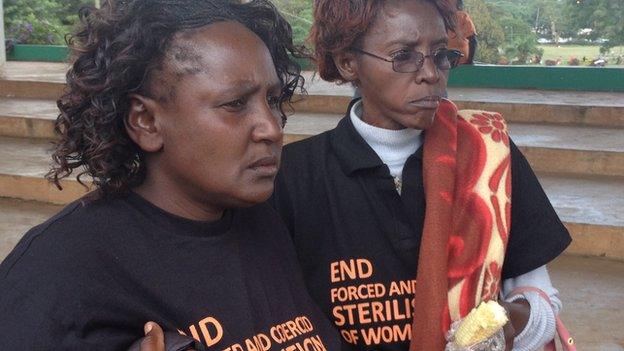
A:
(552, 52)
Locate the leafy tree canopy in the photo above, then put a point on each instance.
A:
(40, 21)
(505, 27)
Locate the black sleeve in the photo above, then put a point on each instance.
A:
(24, 324)
(44, 300)
(29, 322)
(537, 235)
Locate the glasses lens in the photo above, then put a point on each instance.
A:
(408, 61)
(443, 59)
(454, 56)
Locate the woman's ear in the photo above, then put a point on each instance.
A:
(142, 124)
(346, 63)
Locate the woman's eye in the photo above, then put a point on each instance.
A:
(274, 101)
(402, 55)
(442, 53)
(235, 104)
(441, 56)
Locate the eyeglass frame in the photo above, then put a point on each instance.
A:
(424, 57)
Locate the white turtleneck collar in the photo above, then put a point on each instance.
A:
(393, 147)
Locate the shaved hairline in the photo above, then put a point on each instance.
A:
(182, 58)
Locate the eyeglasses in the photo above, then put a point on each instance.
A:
(412, 61)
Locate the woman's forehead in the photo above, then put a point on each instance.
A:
(214, 58)
(407, 22)
(227, 47)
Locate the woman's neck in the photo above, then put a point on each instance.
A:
(163, 194)
(392, 146)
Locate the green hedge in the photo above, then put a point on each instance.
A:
(49, 53)
(477, 76)
(539, 77)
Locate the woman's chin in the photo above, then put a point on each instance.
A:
(254, 195)
(422, 120)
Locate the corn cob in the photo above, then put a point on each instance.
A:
(481, 323)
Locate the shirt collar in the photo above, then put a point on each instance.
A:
(352, 151)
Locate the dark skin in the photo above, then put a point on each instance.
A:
(213, 135)
(214, 142)
(396, 101)
(154, 339)
(519, 312)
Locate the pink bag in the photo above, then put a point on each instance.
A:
(567, 342)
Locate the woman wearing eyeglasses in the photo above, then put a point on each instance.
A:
(409, 213)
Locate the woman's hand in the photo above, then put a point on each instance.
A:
(154, 340)
(519, 312)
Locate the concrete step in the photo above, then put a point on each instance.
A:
(52, 72)
(27, 118)
(592, 208)
(592, 292)
(46, 81)
(38, 80)
(517, 105)
(577, 150)
(549, 148)
(23, 165)
(31, 89)
(592, 289)
(17, 217)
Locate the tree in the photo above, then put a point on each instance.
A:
(604, 17)
(32, 21)
(520, 37)
(40, 21)
(523, 48)
(490, 32)
(299, 14)
(550, 19)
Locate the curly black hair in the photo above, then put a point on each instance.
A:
(117, 51)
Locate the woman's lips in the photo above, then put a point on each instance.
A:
(265, 166)
(429, 102)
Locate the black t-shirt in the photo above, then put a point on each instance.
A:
(91, 276)
(358, 240)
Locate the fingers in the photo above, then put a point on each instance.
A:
(510, 333)
(154, 339)
(519, 312)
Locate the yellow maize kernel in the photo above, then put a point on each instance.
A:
(481, 323)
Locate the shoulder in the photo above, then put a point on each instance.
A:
(304, 150)
(64, 240)
(49, 268)
(305, 160)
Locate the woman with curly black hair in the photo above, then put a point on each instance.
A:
(174, 109)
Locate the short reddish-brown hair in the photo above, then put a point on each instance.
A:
(340, 24)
